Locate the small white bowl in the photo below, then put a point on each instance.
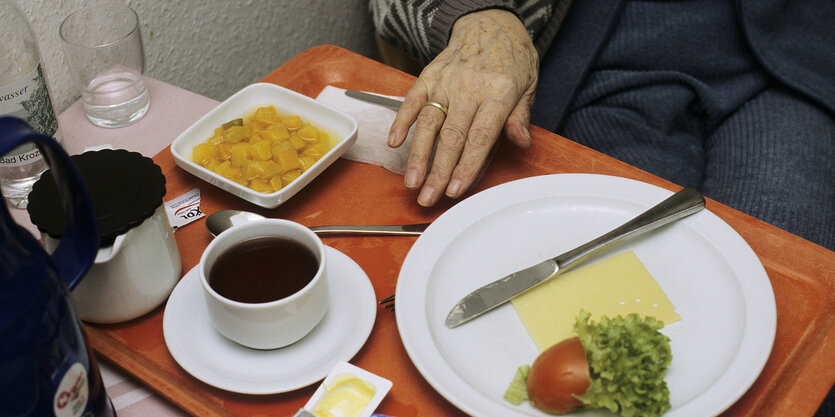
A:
(341, 127)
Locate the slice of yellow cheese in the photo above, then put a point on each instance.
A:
(618, 285)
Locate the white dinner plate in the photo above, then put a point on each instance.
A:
(714, 279)
(208, 356)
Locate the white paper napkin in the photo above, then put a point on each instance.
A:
(374, 123)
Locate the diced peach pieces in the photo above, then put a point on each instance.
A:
(308, 133)
(306, 162)
(240, 153)
(317, 150)
(276, 182)
(289, 176)
(286, 156)
(202, 153)
(235, 134)
(260, 151)
(275, 133)
(298, 142)
(261, 186)
(224, 151)
(292, 122)
(265, 151)
(267, 115)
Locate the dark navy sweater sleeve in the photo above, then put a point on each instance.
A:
(795, 42)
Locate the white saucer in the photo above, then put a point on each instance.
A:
(208, 356)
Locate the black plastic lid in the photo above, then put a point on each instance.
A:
(126, 188)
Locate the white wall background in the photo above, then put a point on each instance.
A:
(212, 47)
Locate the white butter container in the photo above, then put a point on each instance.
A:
(340, 371)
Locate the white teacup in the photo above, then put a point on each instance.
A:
(273, 324)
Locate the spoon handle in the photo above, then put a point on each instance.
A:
(398, 229)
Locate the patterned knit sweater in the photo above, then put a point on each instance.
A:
(422, 28)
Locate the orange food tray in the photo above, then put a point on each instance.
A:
(796, 377)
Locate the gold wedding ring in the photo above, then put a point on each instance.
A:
(436, 105)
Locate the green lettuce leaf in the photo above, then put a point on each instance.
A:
(517, 391)
(628, 358)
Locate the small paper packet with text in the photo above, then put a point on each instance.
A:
(184, 209)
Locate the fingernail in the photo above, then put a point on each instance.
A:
(427, 196)
(454, 189)
(526, 133)
(391, 140)
(411, 180)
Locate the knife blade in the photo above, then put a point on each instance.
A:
(679, 205)
(379, 100)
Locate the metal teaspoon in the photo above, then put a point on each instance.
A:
(219, 221)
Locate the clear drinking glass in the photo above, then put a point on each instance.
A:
(103, 49)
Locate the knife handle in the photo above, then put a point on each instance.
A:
(681, 204)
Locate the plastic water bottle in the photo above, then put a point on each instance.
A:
(24, 93)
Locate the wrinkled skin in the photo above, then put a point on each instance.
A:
(486, 77)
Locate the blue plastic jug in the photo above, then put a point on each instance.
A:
(46, 367)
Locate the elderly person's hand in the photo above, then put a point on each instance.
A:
(483, 83)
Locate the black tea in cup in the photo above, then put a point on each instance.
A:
(263, 269)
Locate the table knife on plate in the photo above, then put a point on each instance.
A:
(679, 205)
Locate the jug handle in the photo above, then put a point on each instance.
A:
(77, 249)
